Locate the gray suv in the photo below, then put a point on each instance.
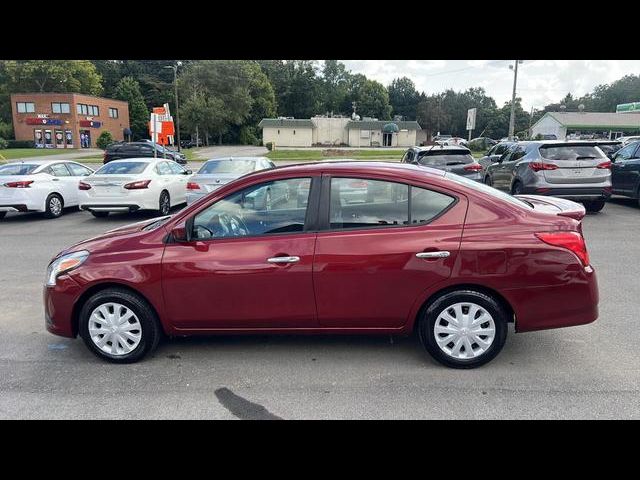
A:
(576, 170)
(454, 158)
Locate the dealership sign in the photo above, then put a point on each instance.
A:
(90, 123)
(43, 121)
(161, 126)
(628, 107)
(471, 118)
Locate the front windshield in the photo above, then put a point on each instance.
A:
(494, 192)
(122, 168)
(239, 167)
(17, 169)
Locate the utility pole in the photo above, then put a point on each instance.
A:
(175, 85)
(530, 120)
(512, 120)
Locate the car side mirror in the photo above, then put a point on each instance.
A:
(187, 172)
(180, 233)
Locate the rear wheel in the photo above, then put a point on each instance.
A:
(53, 206)
(464, 329)
(594, 205)
(119, 326)
(99, 214)
(2, 215)
(164, 204)
(487, 181)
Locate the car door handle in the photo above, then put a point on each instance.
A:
(55, 179)
(439, 254)
(283, 259)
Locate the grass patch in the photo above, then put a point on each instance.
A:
(17, 153)
(89, 159)
(335, 153)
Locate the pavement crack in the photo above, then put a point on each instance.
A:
(243, 408)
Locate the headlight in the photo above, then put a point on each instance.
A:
(63, 264)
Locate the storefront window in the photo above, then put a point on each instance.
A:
(26, 107)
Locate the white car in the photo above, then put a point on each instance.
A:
(40, 186)
(134, 184)
(627, 140)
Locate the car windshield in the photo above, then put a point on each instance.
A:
(122, 168)
(451, 157)
(570, 152)
(494, 192)
(227, 166)
(17, 169)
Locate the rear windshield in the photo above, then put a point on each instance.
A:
(481, 187)
(17, 169)
(228, 166)
(122, 168)
(570, 152)
(452, 157)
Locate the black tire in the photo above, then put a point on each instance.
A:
(594, 205)
(164, 203)
(99, 214)
(53, 206)
(150, 331)
(488, 181)
(2, 215)
(516, 189)
(430, 316)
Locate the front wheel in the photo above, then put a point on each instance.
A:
(464, 329)
(516, 189)
(487, 181)
(164, 204)
(2, 215)
(594, 205)
(119, 326)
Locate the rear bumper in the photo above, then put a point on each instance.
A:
(571, 193)
(116, 207)
(194, 197)
(14, 208)
(568, 305)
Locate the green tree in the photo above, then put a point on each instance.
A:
(372, 100)
(403, 98)
(128, 89)
(335, 83)
(104, 139)
(298, 88)
(78, 76)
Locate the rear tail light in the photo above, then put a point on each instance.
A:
(84, 186)
(537, 166)
(193, 186)
(473, 167)
(137, 185)
(22, 184)
(606, 164)
(571, 241)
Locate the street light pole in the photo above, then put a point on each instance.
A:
(175, 85)
(512, 119)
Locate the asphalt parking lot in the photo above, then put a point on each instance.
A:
(591, 371)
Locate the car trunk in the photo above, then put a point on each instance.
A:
(573, 163)
(555, 206)
(454, 161)
(110, 185)
(7, 193)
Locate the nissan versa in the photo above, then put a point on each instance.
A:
(375, 248)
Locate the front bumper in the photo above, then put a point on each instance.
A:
(59, 302)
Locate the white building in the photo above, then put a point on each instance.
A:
(338, 131)
(605, 123)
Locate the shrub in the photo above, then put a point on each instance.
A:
(3, 143)
(21, 144)
(6, 130)
(269, 146)
(104, 139)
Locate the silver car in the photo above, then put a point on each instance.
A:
(455, 159)
(217, 172)
(576, 170)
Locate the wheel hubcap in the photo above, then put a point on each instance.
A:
(164, 204)
(55, 205)
(464, 330)
(115, 329)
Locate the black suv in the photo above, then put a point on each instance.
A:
(120, 150)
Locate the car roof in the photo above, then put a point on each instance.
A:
(139, 159)
(428, 148)
(40, 162)
(405, 170)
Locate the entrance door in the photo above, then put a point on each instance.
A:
(85, 139)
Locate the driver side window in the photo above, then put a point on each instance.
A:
(274, 207)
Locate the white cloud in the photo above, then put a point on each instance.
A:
(539, 81)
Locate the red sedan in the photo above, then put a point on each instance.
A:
(340, 247)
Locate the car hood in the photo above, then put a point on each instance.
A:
(98, 241)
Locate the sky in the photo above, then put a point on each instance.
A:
(540, 82)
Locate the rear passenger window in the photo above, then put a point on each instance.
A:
(59, 170)
(163, 168)
(364, 203)
(427, 204)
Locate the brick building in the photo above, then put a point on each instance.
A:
(67, 120)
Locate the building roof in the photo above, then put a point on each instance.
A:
(379, 125)
(286, 122)
(603, 120)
